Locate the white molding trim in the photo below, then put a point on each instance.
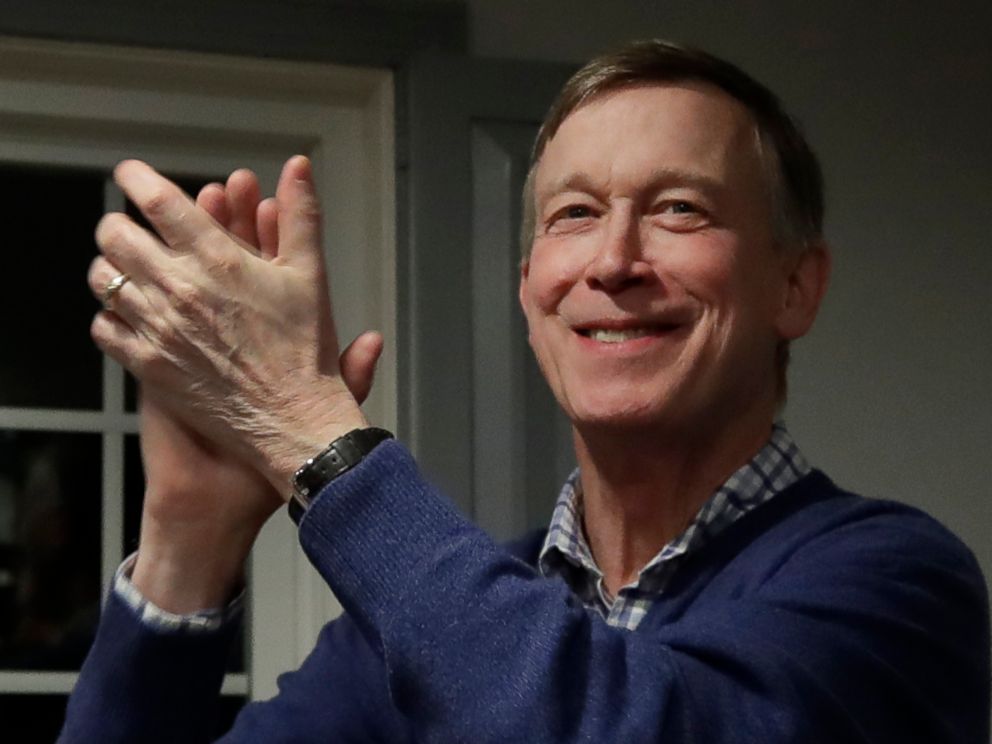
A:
(57, 419)
(48, 683)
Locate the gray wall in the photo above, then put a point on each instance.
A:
(892, 392)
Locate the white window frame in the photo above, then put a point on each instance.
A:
(93, 105)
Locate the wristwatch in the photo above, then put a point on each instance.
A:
(340, 456)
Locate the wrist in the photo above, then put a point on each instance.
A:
(333, 461)
(184, 568)
(303, 439)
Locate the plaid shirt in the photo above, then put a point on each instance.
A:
(566, 552)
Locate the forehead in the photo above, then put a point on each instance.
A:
(688, 127)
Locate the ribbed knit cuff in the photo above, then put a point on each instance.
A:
(155, 617)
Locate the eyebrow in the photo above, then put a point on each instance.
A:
(659, 178)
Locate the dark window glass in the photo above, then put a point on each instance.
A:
(134, 492)
(130, 393)
(50, 507)
(49, 216)
(31, 719)
(227, 711)
(37, 719)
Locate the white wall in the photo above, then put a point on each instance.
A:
(892, 393)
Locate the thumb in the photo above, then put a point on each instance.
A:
(298, 213)
(358, 364)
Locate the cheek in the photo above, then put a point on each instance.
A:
(549, 280)
(706, 274)
(727, 293)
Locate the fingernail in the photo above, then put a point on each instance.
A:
(303, 163)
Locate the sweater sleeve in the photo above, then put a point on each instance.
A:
(145, 683)
(477, 647)
(338, 695)
(151, 677)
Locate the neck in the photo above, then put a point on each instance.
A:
(641, 489)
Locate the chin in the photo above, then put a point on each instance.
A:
(623, 414)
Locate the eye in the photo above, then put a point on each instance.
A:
(681, 215)
(683, 207)
(576, 212)
(569, 218)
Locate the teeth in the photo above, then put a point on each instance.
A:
(615, 337)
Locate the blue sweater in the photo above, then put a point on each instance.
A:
(819, 617)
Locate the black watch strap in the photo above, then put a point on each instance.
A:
(340, 456)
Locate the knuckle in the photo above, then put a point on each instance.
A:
(157, 204)
(224, 263)
(185, 297)
(112, 232)
(167, 339)
(309, 210)
(149, 364)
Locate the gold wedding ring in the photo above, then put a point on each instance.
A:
(112, 288)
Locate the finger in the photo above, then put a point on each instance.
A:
(243, 195)
(128, 302)
(299, 213)
(120, 342)
(128, 246)
(181, 225)
(266, 226)
(358, 362)
(213, 201)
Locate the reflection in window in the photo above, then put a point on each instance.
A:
(50, 514)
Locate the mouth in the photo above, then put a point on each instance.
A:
(612, 334)
(620, 335)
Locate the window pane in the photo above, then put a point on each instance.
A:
(37, 719)
(49, 215)
(50, 506)
(134, 491)
(32, 719)
(130, 393)
(227, 711)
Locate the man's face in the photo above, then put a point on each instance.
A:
(653, 288)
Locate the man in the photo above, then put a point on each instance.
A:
(699, 581)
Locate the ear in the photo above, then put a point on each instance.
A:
(522, 296)
(807, 277)
(524, 272)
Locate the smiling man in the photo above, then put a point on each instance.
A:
(656, 294)
(699, 581)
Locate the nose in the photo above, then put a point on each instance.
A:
(619, 261)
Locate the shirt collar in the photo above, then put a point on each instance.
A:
(566, 553)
